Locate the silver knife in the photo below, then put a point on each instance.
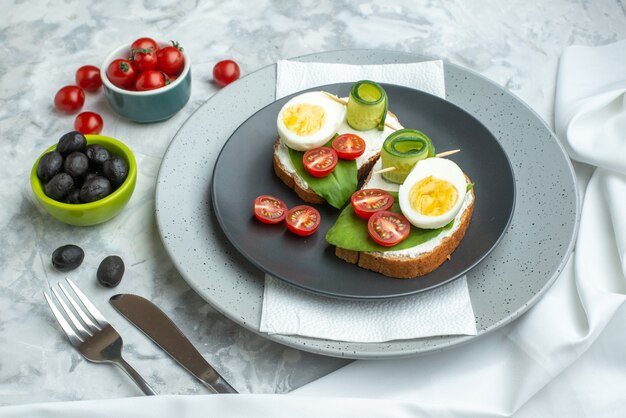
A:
(159, 328)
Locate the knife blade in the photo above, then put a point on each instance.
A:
(153, 322)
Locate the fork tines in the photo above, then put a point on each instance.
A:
(77, 330)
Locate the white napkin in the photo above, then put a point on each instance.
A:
(290, 311)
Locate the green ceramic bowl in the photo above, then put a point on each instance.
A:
(97, 212)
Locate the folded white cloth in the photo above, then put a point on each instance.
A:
(533, 367)
(290, 311)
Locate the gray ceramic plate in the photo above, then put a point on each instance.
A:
(243, 171)
(503, 286)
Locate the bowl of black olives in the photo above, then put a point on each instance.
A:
(84, 179)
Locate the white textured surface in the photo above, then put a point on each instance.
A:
(446, 310)
(517, 46)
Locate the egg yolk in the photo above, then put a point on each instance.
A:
(432, 196)
(304, 119)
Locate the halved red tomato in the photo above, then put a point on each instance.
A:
(269, 209)
(303, 220)
(320, 162)
(367, 202)
(349, 146)
(388, 228)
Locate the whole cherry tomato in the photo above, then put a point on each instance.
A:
(88, 123)
(69, 99)
(88, 78)
(144, 58)
(122, 73)
(225, 72)
(171, 59)
(144, 43)
(150, 80)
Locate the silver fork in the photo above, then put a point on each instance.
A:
(92, 335)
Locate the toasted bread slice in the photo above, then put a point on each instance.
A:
(285, 171)
(416, 261)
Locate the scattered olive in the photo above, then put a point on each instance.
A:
(116, 170)
(110, 271)
(95, 188)
(97, 155)
(49, 165)
(72, 141)
(59, 186)
(76, 164)
(73, 197)
(67, 257)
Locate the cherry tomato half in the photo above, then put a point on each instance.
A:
(388, 228)
(269, 209)
(366, 202)
(144, 43)
(122, 73)
(69, 99)
(150, 80)
(88, 123)
(320, 161)
(303, 220)
(225, 72)
(145, 59)
(349, 146)
(171, 59)
(88, 78)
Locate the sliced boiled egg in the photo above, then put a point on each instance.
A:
(309, 120)
(433, 193)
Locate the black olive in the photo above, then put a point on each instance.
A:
(116, 170)
(49, 165)
(72, 141)
(73, 197)
(97, 155)
(95, 188)
(110, 271)
(67, 257)
(59, 186)
(76, 164)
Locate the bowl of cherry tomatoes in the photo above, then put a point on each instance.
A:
(147, 81)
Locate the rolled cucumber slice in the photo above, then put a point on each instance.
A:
(402, 150)
(367, 106)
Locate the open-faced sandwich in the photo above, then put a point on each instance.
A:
(413, 208)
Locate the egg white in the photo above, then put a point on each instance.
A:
(334, 112)
(439, 168)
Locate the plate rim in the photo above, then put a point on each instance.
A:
(311, 290)
(333, 347)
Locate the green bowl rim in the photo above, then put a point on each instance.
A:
(37, 186)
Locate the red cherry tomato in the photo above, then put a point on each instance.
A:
(171, 59)
(88, 78)
(269, 209)
(303, 220)
(150, 80)
(145, 59)
(366, 202)
(388, 228)
(225, 72)
(69, 99)
(144, 43)
(122, 73)
(320, 162)
(88, 123)
(349, 146)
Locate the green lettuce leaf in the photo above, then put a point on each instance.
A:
(337, 187)
(350, 232)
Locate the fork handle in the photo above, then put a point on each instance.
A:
(140, 381)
